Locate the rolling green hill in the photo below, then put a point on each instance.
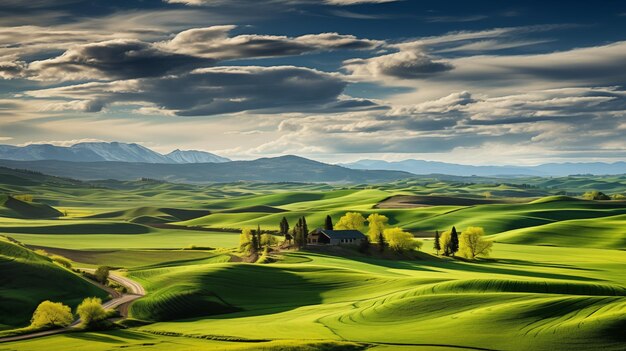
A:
(26, 279)
(605, 232)
(14, 208)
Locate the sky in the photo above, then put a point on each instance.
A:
(471, 82)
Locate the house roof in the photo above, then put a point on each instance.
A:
(343, 234)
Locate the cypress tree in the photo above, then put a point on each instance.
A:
(329, 223)
(305, 230)
(298, 237)
(454, 241)
(381, 242)
(258, 233)
(284, 229)
(294, 234)
(437, 244)
(254, 242)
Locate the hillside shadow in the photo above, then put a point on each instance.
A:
(426, 262)
(485, 267)
(238, 290)
(536, 264)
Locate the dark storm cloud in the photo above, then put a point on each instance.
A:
(217, 90)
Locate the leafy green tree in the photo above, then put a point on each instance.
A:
(102, 274)
(268, 240)
(472, 243)
(444, 240)
(376, 225)
(245, 240)
(351, 221)
(436, 243)
(328, 225)
(91, 312)
(399, 240)
(51, 315)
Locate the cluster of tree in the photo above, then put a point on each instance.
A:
(253, 241)
(57, 315)
(379, 232)
(596, 195)
(469, 244)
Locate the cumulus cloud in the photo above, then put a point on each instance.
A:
(194, 48)
(214, 42)
(402, 65)
(217, 90)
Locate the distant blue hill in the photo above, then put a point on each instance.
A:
(549, 169)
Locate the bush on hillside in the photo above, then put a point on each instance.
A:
(51, 315)
(62, 261)
(91, 312)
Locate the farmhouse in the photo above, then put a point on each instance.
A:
(335, 237)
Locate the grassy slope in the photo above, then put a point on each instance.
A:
(133, 341)
(370, 300)
(592, 232)
(26, 279)
(14, 208)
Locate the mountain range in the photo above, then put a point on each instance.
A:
(101, 151)
(124, 161)
(276, 169)
(420, 167)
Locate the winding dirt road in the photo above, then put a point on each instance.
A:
(119, 301)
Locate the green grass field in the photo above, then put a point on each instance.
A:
(554, 281)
